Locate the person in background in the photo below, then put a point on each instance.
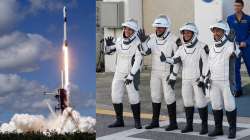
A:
(239, 22)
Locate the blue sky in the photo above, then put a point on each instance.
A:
(30, 47)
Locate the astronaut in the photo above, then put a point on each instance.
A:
(162, 41)
(127, 73)
(192, 55)
(220, 77)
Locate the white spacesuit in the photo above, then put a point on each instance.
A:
(158, 43)
(127, 73)
(192, 55)
(220, 65)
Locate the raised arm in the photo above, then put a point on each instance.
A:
(110, 46)
(143, 47)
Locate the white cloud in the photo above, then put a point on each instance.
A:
(43, 103)
(18, 94)
(80, 99)
(21, 52)
(11, 11)
(8, 15)
(45, 4)
(48, 5)
(12, 83)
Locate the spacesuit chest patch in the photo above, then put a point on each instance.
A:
(125, 47)
(189, 51)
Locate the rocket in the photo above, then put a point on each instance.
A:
(62, 94)
(64, 90)
(65, 68)
(65, 26)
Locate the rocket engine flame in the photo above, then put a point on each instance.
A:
(66, 68)
(65, 52)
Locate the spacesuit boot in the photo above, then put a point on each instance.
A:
(136, 113)
(218, 118)
(189, 116)
(119, 116)
(172, 117)
(155, 118)
(203, 115)
(231, 117)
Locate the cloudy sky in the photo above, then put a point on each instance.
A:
(31, 33)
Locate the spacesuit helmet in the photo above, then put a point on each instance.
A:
(221, 25)
(189, 26)
(162, 21)
(130, 24)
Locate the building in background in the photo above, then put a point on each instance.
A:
(100, 66)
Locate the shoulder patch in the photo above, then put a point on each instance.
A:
(178, 42)
(206, 49)
(231, 36)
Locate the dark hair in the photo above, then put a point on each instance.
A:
(240, 1)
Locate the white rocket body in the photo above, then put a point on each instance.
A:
(65, 26)
(64, 94)
(65, 52)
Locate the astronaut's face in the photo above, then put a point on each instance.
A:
(238, 7)
(127, 32)
(218, 33)
(187, 35)
(160, 30)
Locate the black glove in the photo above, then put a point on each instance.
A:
(142, 36)
(200, 82)
(207, 83)
(109, 41)
(129, 79)
(163, 57)
(171, 82)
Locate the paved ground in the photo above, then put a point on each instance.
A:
(105, 114)
(129, 133)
